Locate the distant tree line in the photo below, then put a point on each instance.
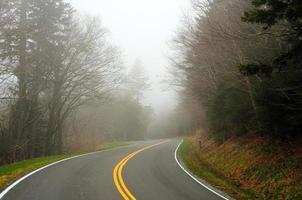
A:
(241, 61)
(52, 63)
(181, 121)
(121, 117)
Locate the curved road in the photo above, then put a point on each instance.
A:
(149, 175)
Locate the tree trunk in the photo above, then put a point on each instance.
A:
(19, 112)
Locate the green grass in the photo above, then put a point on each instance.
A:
(9, 173)
(209, 174)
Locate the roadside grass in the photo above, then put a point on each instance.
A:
(247, 167)
(209, 174)
(10, 173)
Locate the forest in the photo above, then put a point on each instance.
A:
(237, 66)
(64, 86)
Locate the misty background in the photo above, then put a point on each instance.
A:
(143, 30)
(75, 74)
(78, 74)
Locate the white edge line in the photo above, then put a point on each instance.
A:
(194, 178)
(4, 192)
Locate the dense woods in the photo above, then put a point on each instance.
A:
(236, 64)
(64, 87)
(240, 62)
(58, 70)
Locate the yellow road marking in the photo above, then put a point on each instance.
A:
(118, 173)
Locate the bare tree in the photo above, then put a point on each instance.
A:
(89, 70)
(211, 46)
(50, 64)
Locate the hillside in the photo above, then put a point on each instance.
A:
(248, 167)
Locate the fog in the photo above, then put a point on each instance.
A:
(142, 29)
(75, 74)
(222, 76)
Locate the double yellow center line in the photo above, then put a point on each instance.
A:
(118, 170)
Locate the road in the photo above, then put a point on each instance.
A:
(151, 173)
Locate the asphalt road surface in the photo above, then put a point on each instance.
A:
(150, 174)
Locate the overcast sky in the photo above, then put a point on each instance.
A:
(142, 29)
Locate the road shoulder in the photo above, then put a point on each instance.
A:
(204, 176)
(11, 175)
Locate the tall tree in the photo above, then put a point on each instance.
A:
(88, 69)
(214, 41)
(33, 40)
(137, 82)
(282, 113)
(16, 51)
(271, 13)
(51, 62)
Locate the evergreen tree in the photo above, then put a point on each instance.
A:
(288, 13)
(32, 42)
(280, 94)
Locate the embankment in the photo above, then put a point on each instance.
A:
(249, 167)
